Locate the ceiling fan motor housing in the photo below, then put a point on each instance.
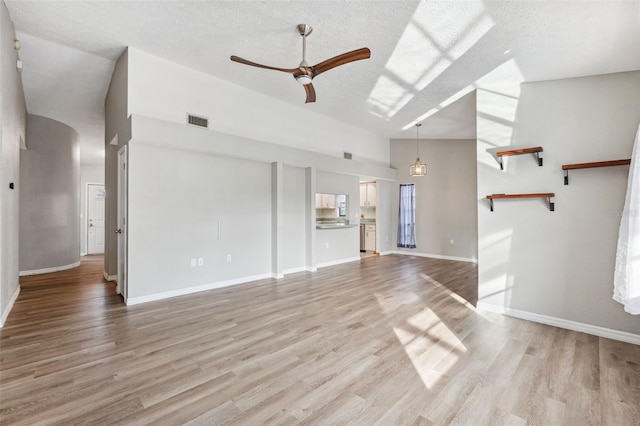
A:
(304, 74)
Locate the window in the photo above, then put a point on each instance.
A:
(407, 216)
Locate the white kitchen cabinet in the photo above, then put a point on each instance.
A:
(371, 195)
(370, 237)
(368, 194)
(325, 201)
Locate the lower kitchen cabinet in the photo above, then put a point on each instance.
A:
(370, 237)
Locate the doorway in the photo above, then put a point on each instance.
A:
(95, 218)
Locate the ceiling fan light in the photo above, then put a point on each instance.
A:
(303, 79)
(418, 168)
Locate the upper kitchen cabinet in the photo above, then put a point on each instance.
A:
(325, 201)
(368, 194)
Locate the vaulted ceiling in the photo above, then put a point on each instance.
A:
(426, 55)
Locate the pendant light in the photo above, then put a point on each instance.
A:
(418, 168)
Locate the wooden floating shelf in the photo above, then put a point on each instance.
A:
(533, 150)
(547, 195)
(567, 167)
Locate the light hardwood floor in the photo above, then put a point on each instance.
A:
(382, 341)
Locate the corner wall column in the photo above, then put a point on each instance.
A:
(276, 219)
(310, 218)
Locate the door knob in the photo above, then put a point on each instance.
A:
(118, 231)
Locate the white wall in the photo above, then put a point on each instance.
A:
(176, 199)
(293, 218)
(168, 91)
(13, 117)
(556, 264)
(187, 140)
(88, 174)
(385, 216)
(446, 202)
(50, 198)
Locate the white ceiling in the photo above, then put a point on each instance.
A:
(425, 54)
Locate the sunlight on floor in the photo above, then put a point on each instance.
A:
(426, 338)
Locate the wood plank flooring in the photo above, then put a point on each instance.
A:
(383, 341)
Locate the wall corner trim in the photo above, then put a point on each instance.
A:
(109, 277)
(595, 330)
(295, 270)
(13, 299)
(48, 270)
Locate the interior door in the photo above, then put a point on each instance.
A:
(122, 223)
(95, 218)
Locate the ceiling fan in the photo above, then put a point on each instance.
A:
(305, 73)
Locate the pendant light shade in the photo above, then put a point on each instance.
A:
(418, 168)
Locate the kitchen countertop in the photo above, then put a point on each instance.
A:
(334, 225)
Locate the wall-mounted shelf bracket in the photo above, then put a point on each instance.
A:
(536, 150)
(547, 195)
(567, 167)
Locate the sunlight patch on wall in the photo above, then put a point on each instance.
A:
(460, 94)
(495, 117)
(495, 280)
(437, 35)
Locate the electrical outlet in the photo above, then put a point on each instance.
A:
(326, 245)
(228, 258)
(387, 238)
(451, 241)
(193, 262)
(200, 261)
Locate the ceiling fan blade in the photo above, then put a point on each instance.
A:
(345, 58)
(253, 64)
(311, 93)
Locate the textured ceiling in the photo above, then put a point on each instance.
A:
(425, 54)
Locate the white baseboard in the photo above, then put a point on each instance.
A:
(13, 299)
(385, 253)
(109, 277)
(433, 256)
(595, 330)
(83, 254)
(295, 270)
(194, 289)
(338, 262)
(277, 276)
(49, 270)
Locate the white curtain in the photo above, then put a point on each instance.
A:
(407, 216)
(626, 282)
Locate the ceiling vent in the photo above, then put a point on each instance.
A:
(194, 120)
(348, 155)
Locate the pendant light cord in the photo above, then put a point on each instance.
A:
(418, 138)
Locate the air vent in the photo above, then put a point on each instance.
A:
(194, 120)
(347, 155)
